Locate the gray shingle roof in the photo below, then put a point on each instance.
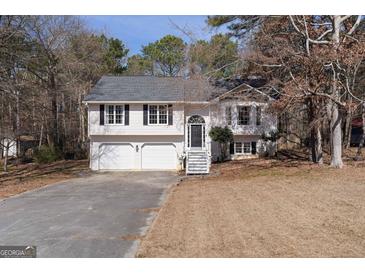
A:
(150, 88)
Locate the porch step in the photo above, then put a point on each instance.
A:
(199, 166)
(198, 158)
(197, 162)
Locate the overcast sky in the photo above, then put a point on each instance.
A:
(136, 31)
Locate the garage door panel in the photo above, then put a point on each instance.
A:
(158, 156)
(116, 156)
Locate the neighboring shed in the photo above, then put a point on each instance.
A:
(20, 147)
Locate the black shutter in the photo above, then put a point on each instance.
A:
(231, 148)
(126, 115)
(101, 112)
(145, 115)
(170, 119)
(253, 147)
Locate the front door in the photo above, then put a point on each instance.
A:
(196, 136)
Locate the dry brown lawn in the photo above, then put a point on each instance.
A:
(24, 177)
(263, 208)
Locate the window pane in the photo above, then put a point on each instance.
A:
(110, 109)
(162, 114)
(258, 116)
(243, 115)
(247, 147)
(110, 115)
(238, 147)
(119, 114)
(153, 114)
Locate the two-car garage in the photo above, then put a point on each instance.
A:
(137, 156)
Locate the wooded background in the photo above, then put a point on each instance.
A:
(312, 66)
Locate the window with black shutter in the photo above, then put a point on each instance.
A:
(126, 115)
(101, 112)
(253, 147)
(231, 148)
(170, 118)
(145, 115)
(229, 115)
(258, 116)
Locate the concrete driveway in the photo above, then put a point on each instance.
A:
(97, 216)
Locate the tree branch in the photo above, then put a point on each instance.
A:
(357, 23)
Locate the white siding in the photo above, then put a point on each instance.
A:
(268, 120)
(136, 126)
(246, 133)
(139, 136)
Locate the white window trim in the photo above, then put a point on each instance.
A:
(158, 115)
(242, 148)
(106, 112)
(235, 146)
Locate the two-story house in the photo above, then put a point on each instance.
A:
(163, 123)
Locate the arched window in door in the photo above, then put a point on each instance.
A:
(196, 119)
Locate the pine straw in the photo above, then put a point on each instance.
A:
(263, 208)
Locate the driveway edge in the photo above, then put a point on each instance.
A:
(163, 199)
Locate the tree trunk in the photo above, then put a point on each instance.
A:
(336, 119)
(336, 140)
(348, 126)
(319, 152)
(362, 140)
(50, 140)
(17, 127)
(81, 121)
(53, 137)
(313, 156)
(313, 145)
(348, 130)
(64, 134)
(6, 157)
(41, 136)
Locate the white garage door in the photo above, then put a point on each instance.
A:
(116, 156)
(158, 156)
